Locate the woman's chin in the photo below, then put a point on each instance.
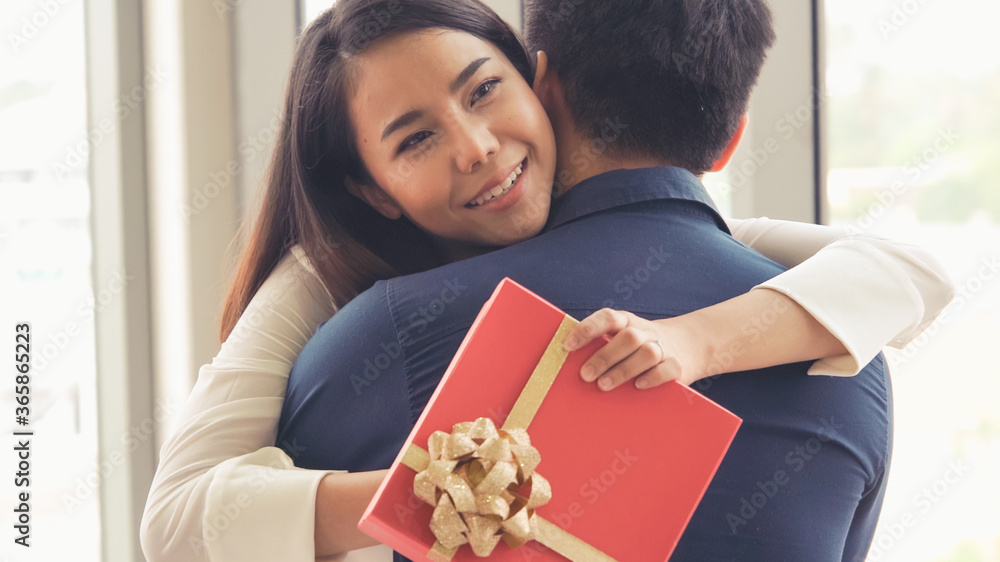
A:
(528, 218)
(523, 225)
(516, 233)
(520, 237)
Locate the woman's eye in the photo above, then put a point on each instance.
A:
(484, 89)
(415, 140)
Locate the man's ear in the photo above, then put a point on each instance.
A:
(731, 148)
(542, 84)
(548, 90)
(541, 67)
(376, 198)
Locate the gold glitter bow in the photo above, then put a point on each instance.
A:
(476, 477)
(483, 486)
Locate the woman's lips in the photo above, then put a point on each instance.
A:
(502, 189)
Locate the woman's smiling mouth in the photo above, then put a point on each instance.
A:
(501, 189)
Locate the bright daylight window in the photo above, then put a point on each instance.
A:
(309, 9)
(45, 249)
(913, 131)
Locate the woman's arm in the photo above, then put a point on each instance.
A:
(867, 291)
(841, 305)
(340, 502)
(222, 491)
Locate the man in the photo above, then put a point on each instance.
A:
(644, 97)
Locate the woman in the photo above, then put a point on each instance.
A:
(333, 222)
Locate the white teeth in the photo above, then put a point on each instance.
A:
(500, 189)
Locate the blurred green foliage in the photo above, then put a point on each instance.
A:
(892, 116)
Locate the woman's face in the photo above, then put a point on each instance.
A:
(455, 139)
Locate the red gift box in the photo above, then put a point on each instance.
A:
(627, 468)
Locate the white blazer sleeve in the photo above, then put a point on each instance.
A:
(221, 490)
(869, 292)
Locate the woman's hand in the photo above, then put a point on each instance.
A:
(754, 330)
(649, 352)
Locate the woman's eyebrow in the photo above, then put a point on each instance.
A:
(464, 76)
(402, 121)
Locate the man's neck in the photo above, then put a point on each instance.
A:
(599, 167)
(578, 156)
(579, 159)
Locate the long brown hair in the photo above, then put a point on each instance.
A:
(306, 200)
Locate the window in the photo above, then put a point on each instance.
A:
(309, 9)
(510, 10)
(45, 246)
(912, 134)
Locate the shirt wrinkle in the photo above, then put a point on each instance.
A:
(402, 352)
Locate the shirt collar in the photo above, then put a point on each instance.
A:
(623, 187)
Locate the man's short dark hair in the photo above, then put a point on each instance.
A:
(676, 73)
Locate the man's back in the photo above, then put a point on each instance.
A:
(811, 453)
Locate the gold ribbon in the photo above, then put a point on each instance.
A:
(474, 478)
(482, 481)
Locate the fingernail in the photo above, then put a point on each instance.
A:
(605, 384)
(641, 383)
(587, 373)
(570, 344)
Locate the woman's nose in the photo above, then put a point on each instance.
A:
(475, 144)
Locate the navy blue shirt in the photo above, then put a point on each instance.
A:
(648, 241)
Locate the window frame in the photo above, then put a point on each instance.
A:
(790, 183)
(117, 175)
